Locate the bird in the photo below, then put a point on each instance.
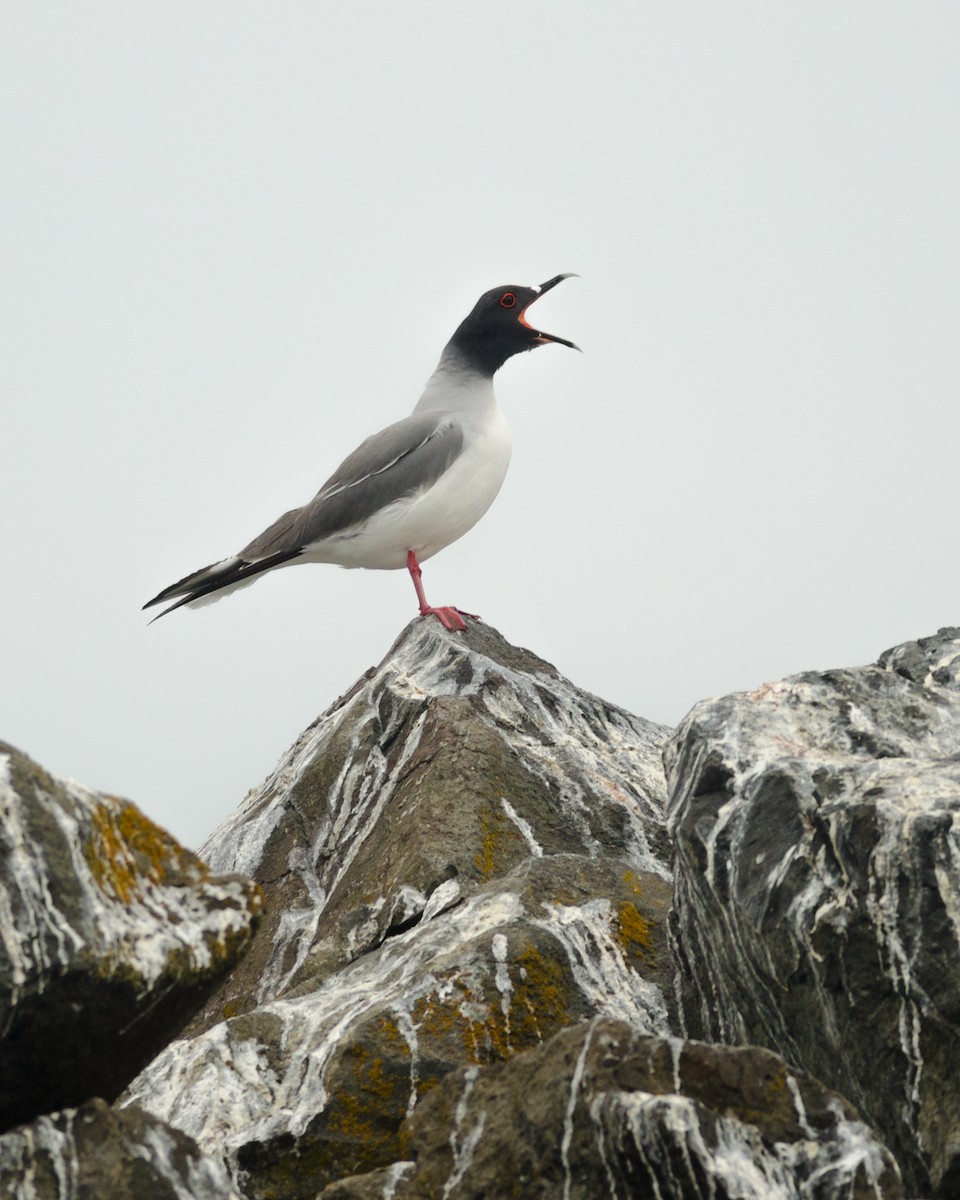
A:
(410, 490)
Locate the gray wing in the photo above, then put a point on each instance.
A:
(406, 457)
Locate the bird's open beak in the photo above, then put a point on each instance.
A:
(543, 338)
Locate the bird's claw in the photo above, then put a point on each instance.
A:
(449, 618)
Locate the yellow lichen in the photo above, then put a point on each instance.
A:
(486, 856)
(489, 1026)
(634, 931)
(542, 991)
(125, 850)
(365, 1111)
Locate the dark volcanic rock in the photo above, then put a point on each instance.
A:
(601, 1111)
(462, 857)
(96, 1152)
(459, 757)
(817, 896)
(111, 935)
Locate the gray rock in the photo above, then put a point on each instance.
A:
(817, 895)
(600, 1110)
(457, 758)
(97, 1152)
(111, 935)
(463, 856)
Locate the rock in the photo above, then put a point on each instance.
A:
(376, 1185)
(457, 759)
(460, 858)
(111, 935)
(817, 894)
(464, 986)
(600, 1110)
(94, 1151)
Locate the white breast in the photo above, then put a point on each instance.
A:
(427, 521)
(461, 496)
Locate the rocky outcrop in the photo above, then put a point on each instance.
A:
(602, 1111)
(817, 897)
(111, 935)
(476, 975)
(462, 857)
(458, 759)
(96, 1151)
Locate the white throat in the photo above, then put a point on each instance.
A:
(456, 387)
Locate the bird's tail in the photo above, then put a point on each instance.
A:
(212, 582)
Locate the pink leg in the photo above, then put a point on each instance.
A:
(450, 618)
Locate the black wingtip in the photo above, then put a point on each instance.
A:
(183, 587)
(163, 612)
(240, 574)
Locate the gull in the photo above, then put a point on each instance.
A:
(413, 488)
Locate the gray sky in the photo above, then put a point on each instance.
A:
(234, 239)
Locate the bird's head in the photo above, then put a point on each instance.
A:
(498, 328)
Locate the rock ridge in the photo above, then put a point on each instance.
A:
(111, 934)
(514, 941)
(817, 896)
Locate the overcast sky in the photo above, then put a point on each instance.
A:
(235, 238)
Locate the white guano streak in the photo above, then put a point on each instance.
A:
(463, 1151)
(524, 826)
(575, 1082)
(601, 972)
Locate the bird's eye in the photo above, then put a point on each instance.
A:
(508, 300)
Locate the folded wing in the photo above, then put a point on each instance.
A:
(406, 457)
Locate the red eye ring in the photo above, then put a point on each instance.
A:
(508, 300)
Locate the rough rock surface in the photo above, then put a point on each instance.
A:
(96, 1152)
(464, 985)
(111, 935)
(462, 857)
(603, 1111)
(817, 897)
(458, 758)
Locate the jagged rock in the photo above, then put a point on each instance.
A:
(456, 759)
(603, 1111)
(817, 896)
(461, 857)
(303, 1090)
(95, 1151)
(111, 935)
